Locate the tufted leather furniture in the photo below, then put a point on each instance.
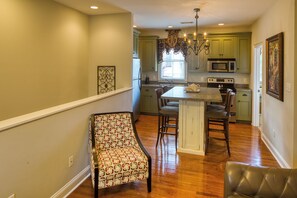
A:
(242, 181)
(116, 153)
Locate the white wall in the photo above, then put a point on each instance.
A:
(278, 116)
(34, 156)
(44, 56)
(111, 44)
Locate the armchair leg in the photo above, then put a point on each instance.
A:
(96, 183)
(149, 184)
(149, 179)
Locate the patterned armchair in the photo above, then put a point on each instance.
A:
(116, 153)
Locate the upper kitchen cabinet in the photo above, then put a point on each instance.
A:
(221, 46)
(197, 63)
(243, 58)
(135, 43)
(148, 53)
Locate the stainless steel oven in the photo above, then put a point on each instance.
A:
(221, 65)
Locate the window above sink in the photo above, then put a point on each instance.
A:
(173, 68)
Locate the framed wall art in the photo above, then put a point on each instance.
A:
(106, 80)
(274, 66)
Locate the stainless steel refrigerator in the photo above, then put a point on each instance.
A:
(136, 83)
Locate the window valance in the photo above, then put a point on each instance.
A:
(173, 42)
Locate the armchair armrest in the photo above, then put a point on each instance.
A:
(95, 158)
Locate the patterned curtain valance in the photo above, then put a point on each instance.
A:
(171, 43)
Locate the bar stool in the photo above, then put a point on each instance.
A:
(169, 102)
(219, 117)
(220, 106)
(166, 115)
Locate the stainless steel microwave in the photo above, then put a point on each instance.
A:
(221, 65)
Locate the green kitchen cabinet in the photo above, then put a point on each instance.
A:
(148, 53)
(148, 100)
(135, 43)
(244, 105)
(197, 63)
(222, 46)
(243, 58)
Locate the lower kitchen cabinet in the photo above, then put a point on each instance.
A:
(243, 105)
(148, 100)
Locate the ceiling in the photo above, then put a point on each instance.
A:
(159, 14)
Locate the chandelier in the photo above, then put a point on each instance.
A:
(196, 43)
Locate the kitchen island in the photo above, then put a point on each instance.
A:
(191, 116)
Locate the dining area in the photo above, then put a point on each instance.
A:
(192, 114)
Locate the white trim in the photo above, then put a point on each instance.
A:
(73, 183)
(23, 119)
(274, 152)
(256, 120)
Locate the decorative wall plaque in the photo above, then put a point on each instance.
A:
(106, 79)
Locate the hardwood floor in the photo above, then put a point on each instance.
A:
(185, 175)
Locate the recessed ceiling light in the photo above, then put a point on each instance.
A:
(221, 24)
(94, 7)
(135, 26)
(170, 26)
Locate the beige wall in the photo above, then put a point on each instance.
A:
(43, 56)
(48, 52)
(111, 45)
(295, 91)
(34, 155)
(278, 117)
(163, 34)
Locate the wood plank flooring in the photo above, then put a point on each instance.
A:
(185, 175)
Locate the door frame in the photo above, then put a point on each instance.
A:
(256, 119)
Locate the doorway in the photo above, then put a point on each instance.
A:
(258, 62)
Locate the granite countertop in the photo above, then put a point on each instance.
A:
(205, 94)
(162, 84)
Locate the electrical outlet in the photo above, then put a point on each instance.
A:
(70, 161)
(12, 196)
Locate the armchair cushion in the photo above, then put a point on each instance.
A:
(121, 165)
(242, 180)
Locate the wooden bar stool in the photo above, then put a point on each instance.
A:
(166, 115)
(219, 118)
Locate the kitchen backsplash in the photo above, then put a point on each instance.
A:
(202, 77)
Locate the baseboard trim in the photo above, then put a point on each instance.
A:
(281, 161)
(73, 183)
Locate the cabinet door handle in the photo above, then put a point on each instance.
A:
(244, 94)
(238, 100)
